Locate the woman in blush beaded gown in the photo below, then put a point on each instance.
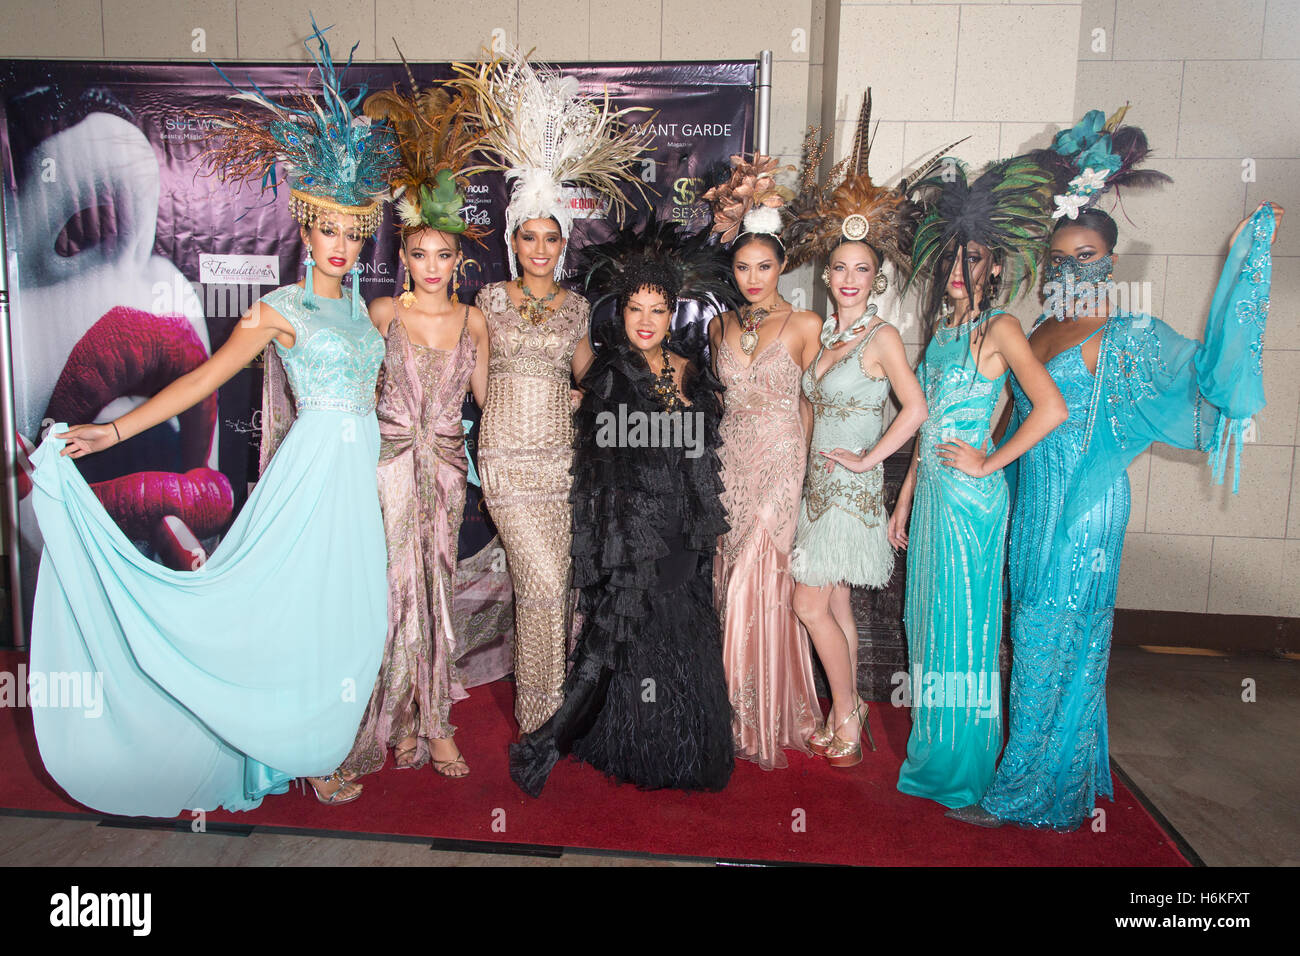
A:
(1128, 380)
(760, 353)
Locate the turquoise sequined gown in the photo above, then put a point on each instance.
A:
(221, 684)
(953, 607)
(1071, 509)
(842, 533)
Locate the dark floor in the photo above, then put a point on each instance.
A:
(1224, 772)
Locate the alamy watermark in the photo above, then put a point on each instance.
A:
(1061, 299)
(637, 429)
(979, 691)
(69, 690)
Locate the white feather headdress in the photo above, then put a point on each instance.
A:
(547, 136)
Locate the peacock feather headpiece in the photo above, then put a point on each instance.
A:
(435, 134)
(335, 160)
(547, 137)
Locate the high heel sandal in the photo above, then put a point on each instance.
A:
(845, 753)
(334, 799)
(821, 738)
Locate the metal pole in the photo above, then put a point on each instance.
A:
(9, 426)
(763, 114)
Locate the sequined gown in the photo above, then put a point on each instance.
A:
(953, 606)
(525, 452)
(646, 700)
(1151, 384)
(221, 684)
(841, 536)
(422, 469)
(764, 649)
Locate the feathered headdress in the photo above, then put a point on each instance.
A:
(849, 206)
(1093, 156)
(435, 135)
(335, 161)
(1006, 209)
(546, 135)
(661, 255)
(751, 199)
(700, 270)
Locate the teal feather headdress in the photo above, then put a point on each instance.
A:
(335, 160)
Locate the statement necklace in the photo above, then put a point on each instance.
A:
(665, 386)
(533, 310)
(830, 338)
(750, 319)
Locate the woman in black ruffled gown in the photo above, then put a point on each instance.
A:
(646, 699)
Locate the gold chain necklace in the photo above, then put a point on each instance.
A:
(533, 310)
(665, 386)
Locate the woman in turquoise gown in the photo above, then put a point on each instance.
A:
(215, 686)
(1128, 380)
(954, 491)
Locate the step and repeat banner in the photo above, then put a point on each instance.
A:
(127, 268)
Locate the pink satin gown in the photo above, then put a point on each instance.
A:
(765, 649)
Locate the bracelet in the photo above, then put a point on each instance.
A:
(116, 432)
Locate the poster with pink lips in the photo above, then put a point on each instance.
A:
(126, 268)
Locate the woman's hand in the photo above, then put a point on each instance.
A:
(1278, 213)
(854, 463)
(85, 440)
(575, 398)
(965, 457)
(897, 529)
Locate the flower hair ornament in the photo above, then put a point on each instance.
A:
(549, 138)
(1095, 155)
(849, 207)
(751, 200)
(336, 162)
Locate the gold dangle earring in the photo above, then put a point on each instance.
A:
(880, 283)
(407, 298)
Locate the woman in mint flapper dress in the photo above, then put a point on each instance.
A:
(973, 237)
(1128, 380)
(218, 685)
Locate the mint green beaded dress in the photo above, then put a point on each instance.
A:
(842, 533)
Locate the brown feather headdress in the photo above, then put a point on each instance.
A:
(435, 134)
(849, 206)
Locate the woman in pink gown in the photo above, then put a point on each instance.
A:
(760, 354)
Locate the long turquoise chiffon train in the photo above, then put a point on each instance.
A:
(221, 684)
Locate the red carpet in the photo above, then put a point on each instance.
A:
(808, 812)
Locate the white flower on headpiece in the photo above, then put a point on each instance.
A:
(1089, 181)
(1069, 205)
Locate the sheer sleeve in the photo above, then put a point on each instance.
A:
(1154, 385)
